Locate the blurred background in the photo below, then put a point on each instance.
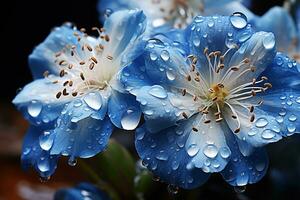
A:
(24, 25)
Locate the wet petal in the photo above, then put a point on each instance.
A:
(35, 152)
(124, 111)
(164, 154)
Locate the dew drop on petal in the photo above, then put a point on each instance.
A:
(153, 56)
(158, 91)
(175, 165)
(238, 20)
(291, 128)
(192, 150)
(93, 100)
(165, 55)
(242, 179)
(171, 74)
(261, 122)
(34, 108)
(224, 152)
(269, 41)
(260, 165)
(268, 134)
(130, 119)
(46, 141)
(196, 41)
(210, 151)
(292, 118)
(43, 165)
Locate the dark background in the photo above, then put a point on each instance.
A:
(25, 24)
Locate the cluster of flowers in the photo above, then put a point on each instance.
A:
(206, 75)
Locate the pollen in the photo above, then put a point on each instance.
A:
(217, 93)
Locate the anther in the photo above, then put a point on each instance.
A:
(58, 54)
(205, 50)
(207, 121)
(234, 117)
(109, 57)
(264, 78)
(217, 113)
(82, 63)
(252, 118)
(197, 79)
(74, 94)
(237, 130)
(251, 109)
(70, 83)
(66, 83)
(58, 95)
(62, 73)
(94, 59)
(220, 85)
(62, 62)
(83, 30)
(268, 85)
(183, 92)
(253, 81)
(215, 99)
(246, 60)
(189, 78)
(65, 93)
(252, 68)
(195, 129)
(70, 66)
(106, 37)
(235, 69)
(81, 76)
(219, 119)
(184, 115)
(91, 66)
(89, 47)
(253, 93)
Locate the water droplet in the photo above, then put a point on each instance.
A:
(199, 19)
(158, 91)
(165, 55)
(260, 165)
(171, 74)
(93, 100)
(291, 128)
(238, 20)
(26, 151)
(153, 56)
(108, 12)
(252, 132)
(162, 156)
(210, 23)
(193, 150)
(298, 100)
(43, 165)
(72, 161)
(34, 108)
(292, 118)
(269, 41)
(239, 189)
(242, 179)
(130, 119)
(279, 61)
(210, 151)
(173, 190)
(224, 152)
(268, 134)
(46, 141)
(279, 119)
(175, 165)
(196, 41)
(261, 122)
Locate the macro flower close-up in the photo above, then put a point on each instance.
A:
(144, 99)
(211, 101)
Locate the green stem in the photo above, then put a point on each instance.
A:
(84, 166)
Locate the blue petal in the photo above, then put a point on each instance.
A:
(283, 73)
(216, 33)
(162, 108)
(35, 152)
(82, 130)
(43, 56)
(242, 170)
(123, 27)
(81, 191)
(279, 27)
(164, 154)
(38, 103)
(123, 111)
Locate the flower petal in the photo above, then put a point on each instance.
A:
(124, 111)
(164, 154)
(207, 144)
(43, 56)
(123, 28)
(34, 153)
(82, 130)
(162, 108)
(283, 22)
(242, 170)
(38, 102)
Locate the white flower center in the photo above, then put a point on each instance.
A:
(83, 66)
(222, 87)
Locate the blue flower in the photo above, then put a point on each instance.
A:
(177, 13)
(76, 98)
(212, 101)
(83, 191)
(284, 28)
